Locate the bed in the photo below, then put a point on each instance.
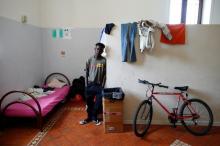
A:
(34, 106)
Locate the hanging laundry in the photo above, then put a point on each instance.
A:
(146, 29)
(101, 34)
(108, 28)
(128, 33)
(146, 37)
(178, 33)
(102, 38)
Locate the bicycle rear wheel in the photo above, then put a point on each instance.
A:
(201, 122)
(142, 119)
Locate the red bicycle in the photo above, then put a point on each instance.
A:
(194, 114)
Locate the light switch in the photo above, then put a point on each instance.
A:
(62, 53)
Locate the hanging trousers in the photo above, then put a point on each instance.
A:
(128, 33)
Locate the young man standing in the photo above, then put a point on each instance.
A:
(96, 69)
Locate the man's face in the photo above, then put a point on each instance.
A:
(98, 51)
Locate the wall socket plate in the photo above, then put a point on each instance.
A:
(24, 19)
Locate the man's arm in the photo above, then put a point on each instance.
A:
(87, 71)
(103, 82)
(104, 77)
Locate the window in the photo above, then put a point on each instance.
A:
(186, 11)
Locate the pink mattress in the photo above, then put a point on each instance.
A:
(47, 103)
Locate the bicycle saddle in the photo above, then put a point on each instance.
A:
(183, 88)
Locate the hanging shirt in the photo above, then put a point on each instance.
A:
(146, 38)
(146, 29)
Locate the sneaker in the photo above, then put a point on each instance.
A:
(83, 122)
(97, 122)
(86, 107)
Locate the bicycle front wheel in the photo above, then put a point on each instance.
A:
(200, 116)
(142, 119)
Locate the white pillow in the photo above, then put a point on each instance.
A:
(55, 83)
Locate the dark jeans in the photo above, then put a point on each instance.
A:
(93, 91)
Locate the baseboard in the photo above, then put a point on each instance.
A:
(157, 122)
(153, 122)
(216, 124)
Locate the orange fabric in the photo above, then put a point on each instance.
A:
(178, 33)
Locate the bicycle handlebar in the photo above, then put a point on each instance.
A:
(153, 84)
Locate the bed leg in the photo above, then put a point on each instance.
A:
(40, 123)
(2, 122)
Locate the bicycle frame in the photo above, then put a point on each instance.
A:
(186, 110)
(180, 96)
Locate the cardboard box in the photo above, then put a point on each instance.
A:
(113, 115)
(112, 106)
(113, 127)
(116, 103)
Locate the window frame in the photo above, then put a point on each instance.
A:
(184, 10)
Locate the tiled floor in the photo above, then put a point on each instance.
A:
(67, 132)
(18, 134)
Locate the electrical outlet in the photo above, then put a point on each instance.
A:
(23, 19)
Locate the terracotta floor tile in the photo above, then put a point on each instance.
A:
(68, 132)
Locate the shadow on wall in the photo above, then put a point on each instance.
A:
(208, 99)
(161, 50)
(193, 93)
(132, 102)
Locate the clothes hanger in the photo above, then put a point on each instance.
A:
(145, 23)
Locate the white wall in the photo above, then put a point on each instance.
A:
(195, 64)
(77, 51)
(14, 9)
(96, 13)
(21, 57)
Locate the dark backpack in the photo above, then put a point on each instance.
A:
(78, 87)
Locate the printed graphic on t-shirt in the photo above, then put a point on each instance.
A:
(99, 65)
(97, 70)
